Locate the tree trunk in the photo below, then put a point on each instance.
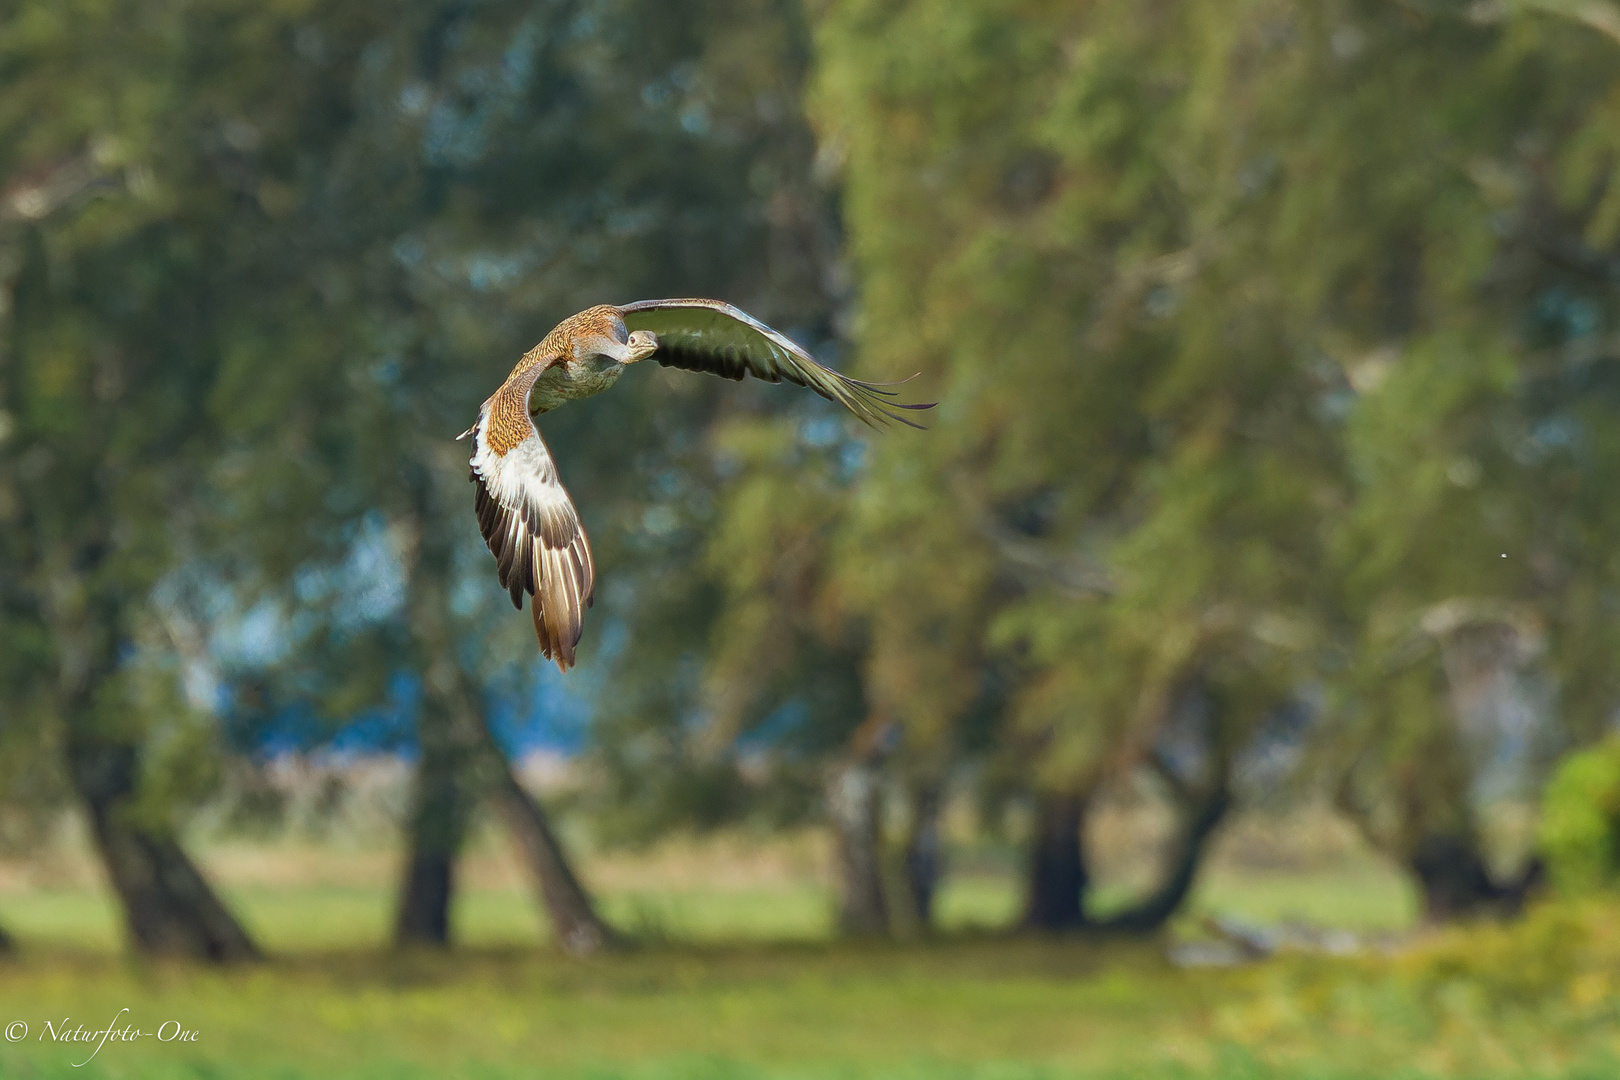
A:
(1456, 883)
(441, 806)
(924, 855)
(1188, 854)
(1440, 843)
(1452, 876)
(854, 805)
(464, 762)
(169, 908)
(460, 763)
(426, 889)
(1057, 866)
(1436, 835)
(448, 726)
(579, 930)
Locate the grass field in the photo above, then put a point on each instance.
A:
(294, 918)
(965, 1008)
(299, 895)
(739, 977)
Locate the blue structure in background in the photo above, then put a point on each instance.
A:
(539, 713)
(546, 715)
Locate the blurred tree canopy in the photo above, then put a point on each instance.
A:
(1273, 343)
(299, 298)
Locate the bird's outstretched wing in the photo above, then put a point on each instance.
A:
(713, 336)
(529, 522)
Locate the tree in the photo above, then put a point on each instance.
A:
(1038, 511)
(1207, 285)
(127, 228)
(1446, 168)
(507, 166)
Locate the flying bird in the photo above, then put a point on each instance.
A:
(524, 512)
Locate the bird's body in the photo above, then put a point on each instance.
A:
(573, 380)
(524, 513)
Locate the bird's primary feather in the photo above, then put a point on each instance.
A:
(713, 336)
(530, 524)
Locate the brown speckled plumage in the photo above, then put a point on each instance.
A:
(524, 513)
(509, 422)
(601, 321)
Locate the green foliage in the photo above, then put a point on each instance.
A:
(1580, 819)
(1261, 370)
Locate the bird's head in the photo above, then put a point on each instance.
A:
(642, 344)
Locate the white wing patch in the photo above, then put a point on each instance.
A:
(534, 533)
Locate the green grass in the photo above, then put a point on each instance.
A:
(81, 918)
(984, 1008)
(302, 917)
(1356, 897)
(739, 978)
(759, 1011)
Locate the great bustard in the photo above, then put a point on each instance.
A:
(523, 510)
